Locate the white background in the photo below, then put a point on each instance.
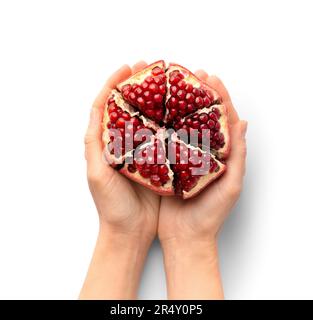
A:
(54, 58)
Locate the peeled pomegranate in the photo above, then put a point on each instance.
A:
(167, 130)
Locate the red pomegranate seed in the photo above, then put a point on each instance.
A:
(199, 102)
(181, 94)
(126, 116)
(132, 97)
(156, 71)
(138, 91)
(189, 88)
(158, 98)
(162, 170)
(144, 85)
(120, 123)
(155, 180)
(190, 98)
(181, 84)
(162, 89)
(173, 90)
(211, 124)
(182, 105)
(149, 113)
(153, 88)
(113, 116)
(203, 117)
(149, 79)
(141, 102)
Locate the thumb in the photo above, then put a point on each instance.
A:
(93, 140)
(237, 160)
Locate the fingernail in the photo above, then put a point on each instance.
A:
(94, 116)
(244, 127)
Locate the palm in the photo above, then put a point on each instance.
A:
(204, 214)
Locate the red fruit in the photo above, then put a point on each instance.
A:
(172, 98)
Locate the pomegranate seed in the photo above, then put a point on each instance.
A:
(149, 104)
(196, 124)
(190, 108)
(182, 105)
(149, 113)
(181, 84)
(217, 126)
(154, 169)
(149, 79)
(173, 101)
(162, 169)
(144, 85)
(156, 71)
(213, 116)
(190, 98)
(120, 123)
(203, 118)
(158, 98)
(211, 124)
(132, 97)
(196, 92)
(173, 90)
(138, 91)
(188, 88)
(159, 114)
(155, 180)
(202, 93)
(206, 101)
(181, 94)
(184, 175)
(174, 79)
(145, 173)
(125, 116)
(147, 95)
(199, 102)
(113, 116)
(153, 88)
(162, 89)
(141, 102)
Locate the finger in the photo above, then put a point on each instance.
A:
(93, 142)
(139, 66)
(237, 160)
(217, 84)
(201, 74)
(117, 77)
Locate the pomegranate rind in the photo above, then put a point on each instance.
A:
(140, 76)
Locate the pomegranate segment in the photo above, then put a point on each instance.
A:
(194, 169)
(211, 122)
(126, 128)
(150, 167)
(186, 93)
(137, 115)
(146, 91)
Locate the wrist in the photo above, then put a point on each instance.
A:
(182, 248)
(192, 269)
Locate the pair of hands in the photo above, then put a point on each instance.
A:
(132, 212)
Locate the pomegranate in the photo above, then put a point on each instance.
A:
(167, 130)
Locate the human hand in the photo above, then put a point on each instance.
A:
(124, 207)
(128, 213)
(188, 229)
